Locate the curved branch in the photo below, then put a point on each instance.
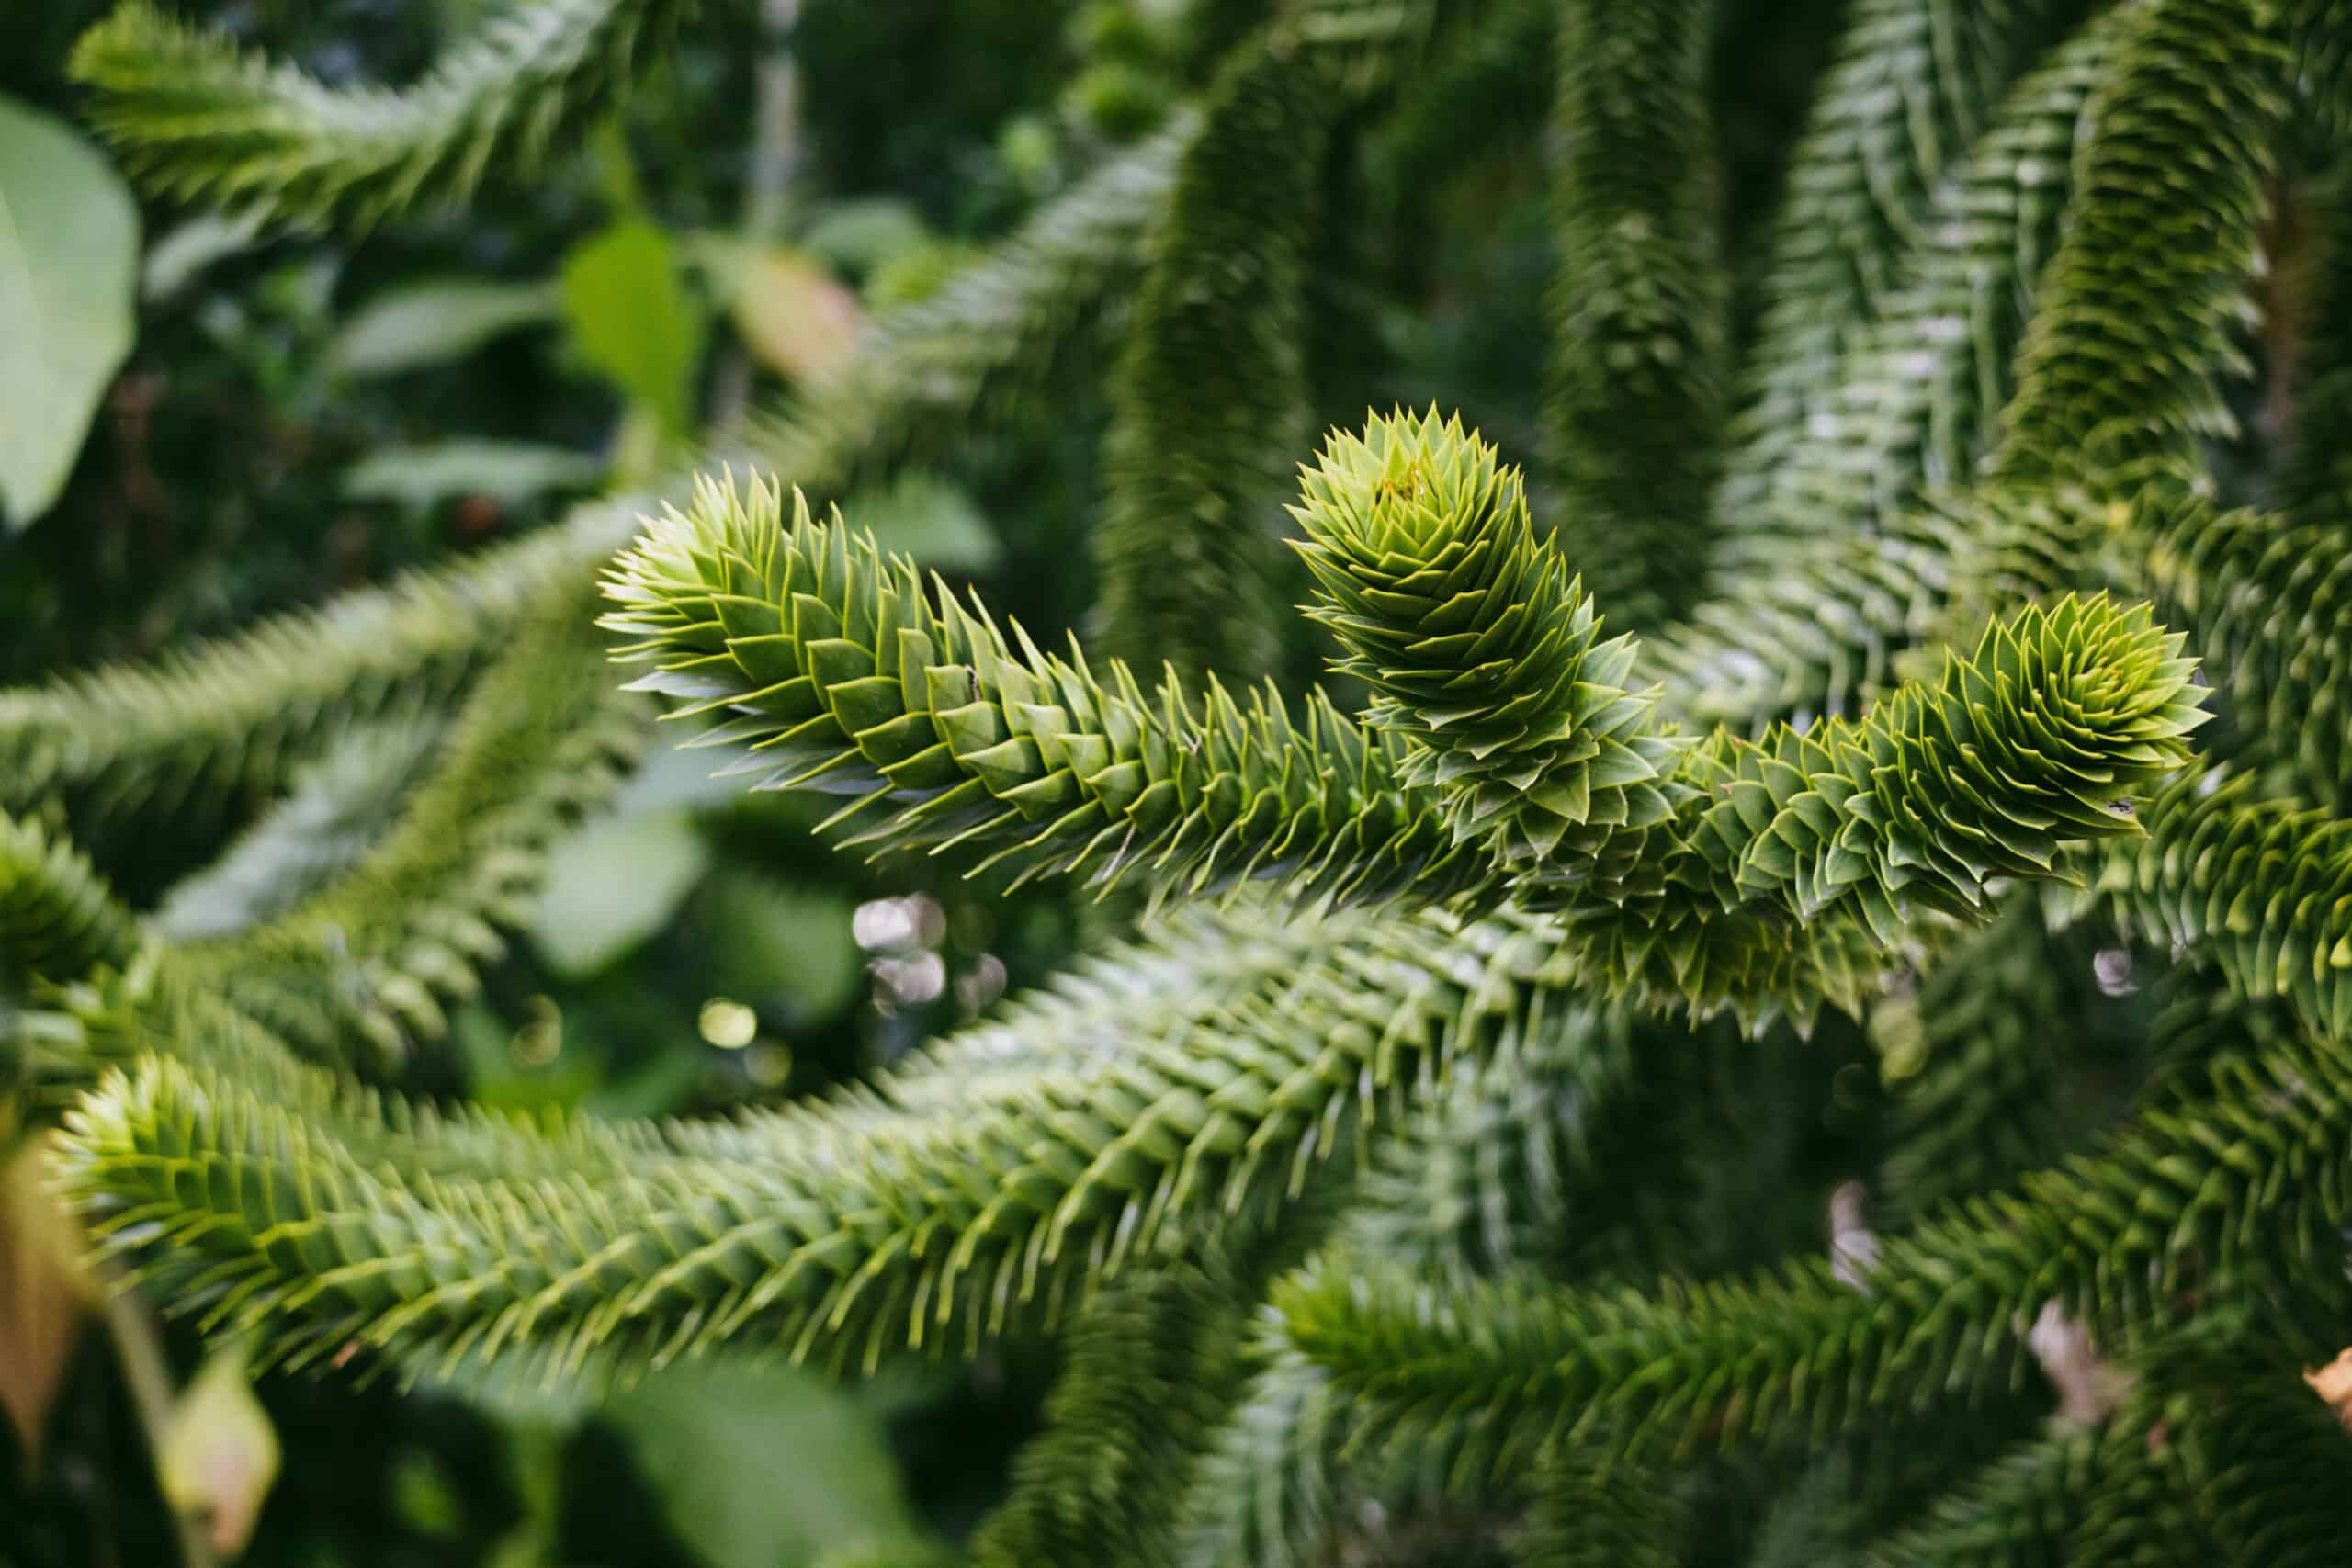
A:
(2258, 1172)
(190, 731)
(371, 954)
(2116, 376)
(832, 1233)
(58, 919)
(202, 119)
(1639, 309)
(847, 677)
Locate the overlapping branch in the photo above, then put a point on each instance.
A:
(2255, 1173)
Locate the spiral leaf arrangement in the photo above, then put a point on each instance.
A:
(1483, 656)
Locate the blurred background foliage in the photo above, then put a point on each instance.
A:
(297, 414)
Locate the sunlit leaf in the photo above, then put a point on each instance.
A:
(2333, 1382)
(794, 315)
(69, 262)
(632, 320)
(422, 1495)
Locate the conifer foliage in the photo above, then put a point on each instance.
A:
(1834, 692)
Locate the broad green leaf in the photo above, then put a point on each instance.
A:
(423, 1499)
(512, 473)
(933, 519)
(632, 320)
(614, 883)
(762, 1466)
(435, 321)
(68, 264)
(785, 947)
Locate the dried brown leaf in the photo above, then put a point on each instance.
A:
(45, 1294)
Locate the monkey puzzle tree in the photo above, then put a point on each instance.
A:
(1386, 1182)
